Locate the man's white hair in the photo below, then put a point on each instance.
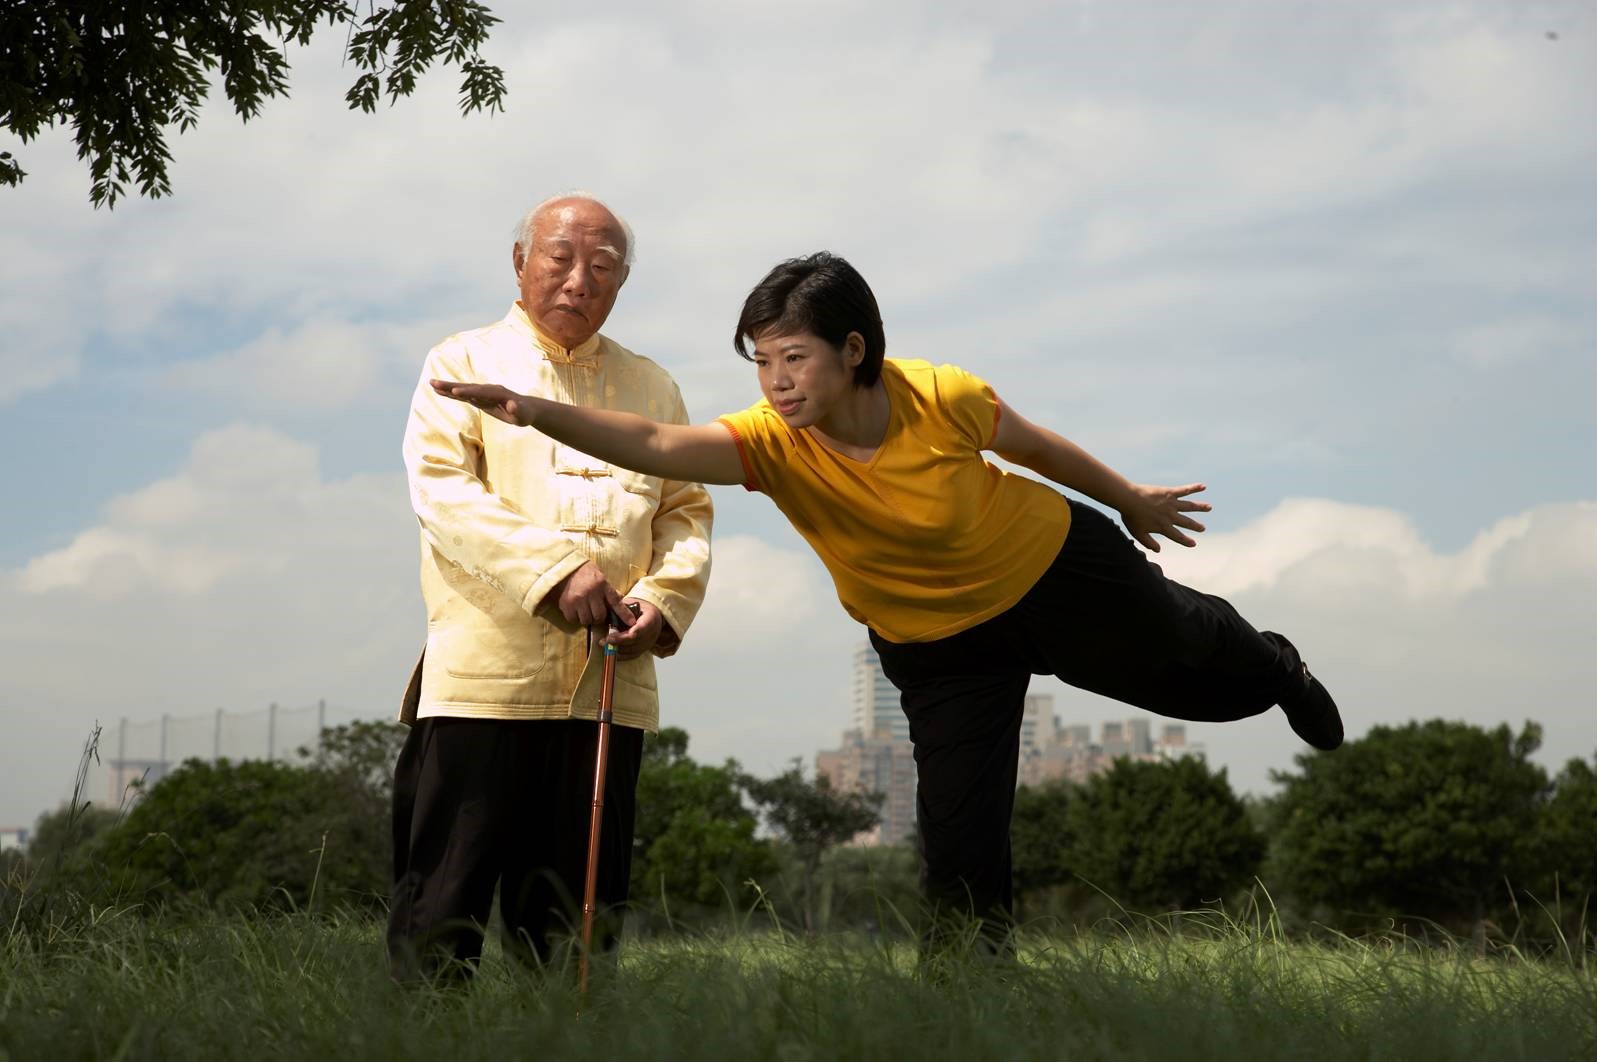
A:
(523, 230)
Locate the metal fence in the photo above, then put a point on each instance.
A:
(148, 749)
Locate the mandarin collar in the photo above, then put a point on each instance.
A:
(585, 354)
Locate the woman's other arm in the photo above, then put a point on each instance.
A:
(1146, 510)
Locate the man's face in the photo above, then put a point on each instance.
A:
(570, 275)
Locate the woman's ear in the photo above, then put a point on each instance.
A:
(853, 350)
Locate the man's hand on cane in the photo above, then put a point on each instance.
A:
(586, 598)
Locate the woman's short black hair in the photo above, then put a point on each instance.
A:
(820, 294)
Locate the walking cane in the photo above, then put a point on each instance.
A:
(601, 764)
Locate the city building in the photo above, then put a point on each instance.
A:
(13, 837)
(877, 712)
(875, 754)
(1070, 755)
(879, 764)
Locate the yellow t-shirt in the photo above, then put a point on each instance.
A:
(925, 539)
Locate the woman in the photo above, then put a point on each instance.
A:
(970, 579)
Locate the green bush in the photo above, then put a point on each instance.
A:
(1432, 821)
(1145, 836)
(251, 834)
(1564, 893)
(1163, 835)
(694, 843)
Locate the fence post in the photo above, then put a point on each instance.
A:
(271, 732)
(164, 718)
(121, 759)
(321, 719)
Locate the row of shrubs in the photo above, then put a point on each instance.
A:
(1428, 824)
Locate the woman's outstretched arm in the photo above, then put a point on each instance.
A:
(700, 453)
(1145, 510)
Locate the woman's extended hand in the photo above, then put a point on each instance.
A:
(1162, 511)
(496, 401)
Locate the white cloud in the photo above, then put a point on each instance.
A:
(1513, 341)
(248, 499)
(320, 363)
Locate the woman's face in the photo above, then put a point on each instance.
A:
(803, 376)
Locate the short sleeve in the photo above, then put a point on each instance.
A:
(763, 444)
(969, 403)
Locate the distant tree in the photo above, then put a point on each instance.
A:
(694, 843)
(1427, 820)
(124, 71)
(252, 834)
(1159, 836)
(812, 818)
(363, 753)
(1039, 838)
(1566, 849)
(62, 839)
(875, 888)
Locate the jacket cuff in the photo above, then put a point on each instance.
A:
(552, 577)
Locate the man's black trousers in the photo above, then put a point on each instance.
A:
(480, 803)
(1102, 618)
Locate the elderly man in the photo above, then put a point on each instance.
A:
(527, 546)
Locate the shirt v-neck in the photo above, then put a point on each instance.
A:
(869, 463)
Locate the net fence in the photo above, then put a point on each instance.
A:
(134, 749)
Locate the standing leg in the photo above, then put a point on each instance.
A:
(546, 861)
(965, 706)
(448, 787)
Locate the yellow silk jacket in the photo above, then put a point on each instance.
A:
(507, 513)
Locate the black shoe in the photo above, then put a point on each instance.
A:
(1311, 711)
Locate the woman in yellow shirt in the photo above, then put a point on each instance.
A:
(970, 579)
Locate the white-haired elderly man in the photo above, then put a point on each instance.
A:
(527, 546)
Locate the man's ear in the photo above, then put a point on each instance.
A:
(626, 271)
(517, 259)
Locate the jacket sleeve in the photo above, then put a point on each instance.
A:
(461, 518)
(680, 569)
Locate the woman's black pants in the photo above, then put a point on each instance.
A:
(1102, 618)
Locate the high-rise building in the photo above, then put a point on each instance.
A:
(1038, 726)
(876, 705)
(1114, 741)
(875, 755)
(881, 764)
(1139, 742)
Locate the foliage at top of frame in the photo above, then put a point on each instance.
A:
(122, 73)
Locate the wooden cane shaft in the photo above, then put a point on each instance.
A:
(601, 766)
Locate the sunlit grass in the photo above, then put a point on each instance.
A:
(1199, 986)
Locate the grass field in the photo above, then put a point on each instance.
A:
(122, 987)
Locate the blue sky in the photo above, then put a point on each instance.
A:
(1337, 261)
